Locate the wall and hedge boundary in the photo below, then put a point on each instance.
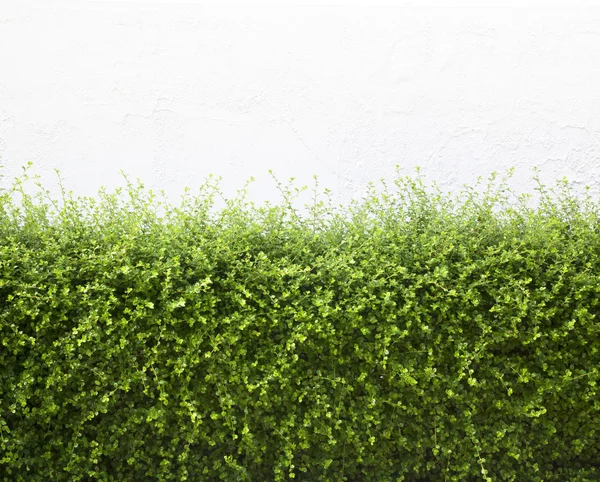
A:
(412, 335)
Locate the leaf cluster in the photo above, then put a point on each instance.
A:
(408, 336)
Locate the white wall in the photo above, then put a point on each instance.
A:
(170, 91)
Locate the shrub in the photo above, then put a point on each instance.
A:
(412, 335)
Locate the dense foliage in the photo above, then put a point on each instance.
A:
(412, 335)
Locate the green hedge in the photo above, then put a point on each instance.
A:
(412, 335)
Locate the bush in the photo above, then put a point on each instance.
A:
(412, 335)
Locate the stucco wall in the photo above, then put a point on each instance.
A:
(170, 91)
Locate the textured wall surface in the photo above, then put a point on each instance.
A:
(171, 91)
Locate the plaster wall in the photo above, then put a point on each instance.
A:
(170, 91)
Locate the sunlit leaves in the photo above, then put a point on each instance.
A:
(411, 335)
